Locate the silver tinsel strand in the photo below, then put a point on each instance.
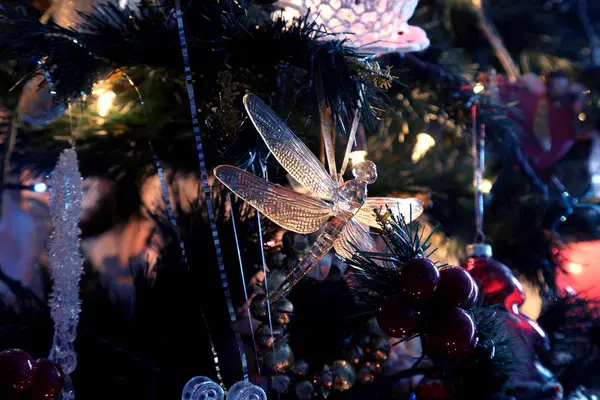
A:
(66, 262)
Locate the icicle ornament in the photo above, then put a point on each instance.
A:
(66, 262)
(375, 26)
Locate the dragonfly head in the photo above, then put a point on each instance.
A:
(365, 171)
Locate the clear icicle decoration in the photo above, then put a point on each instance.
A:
(66, 262)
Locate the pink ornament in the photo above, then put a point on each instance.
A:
(549, 123)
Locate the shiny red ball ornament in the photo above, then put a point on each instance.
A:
(398, 319)
(418, 278)
(49, 380)
(432, 388)
(450, 334)
(497, 281)
(456, 288)
(17, 370)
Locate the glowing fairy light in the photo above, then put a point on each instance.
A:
(105, 101)
(478, 88)
(486, 186)
(424, 143)
(574, 268)
(582, 117)
(358, 156)
(40, 187)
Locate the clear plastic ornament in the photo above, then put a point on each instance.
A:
(246, 391)
(202, 388)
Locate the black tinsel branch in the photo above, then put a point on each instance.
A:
(219, 32)
(572, 323)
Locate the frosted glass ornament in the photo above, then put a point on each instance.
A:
(202, 388)
(373, 26)
(246, 391)
(37, 106)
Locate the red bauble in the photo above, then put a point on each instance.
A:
(434, 389)
(397, 319)
(456, 288)
(49, 380)
(450, 334)
(17, 370)
(497, 282)
(419, 278)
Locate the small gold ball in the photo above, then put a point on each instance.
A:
(355, 355)
(343, 375)
(281, 359)
(265, 337)
(283, 310)
(378, 348)
(366, 373)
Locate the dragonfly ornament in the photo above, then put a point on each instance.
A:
(337, 210)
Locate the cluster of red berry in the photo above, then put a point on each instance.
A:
(432, 304)
(22, 377)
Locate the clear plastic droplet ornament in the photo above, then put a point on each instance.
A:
(246, 391)
(202, 388)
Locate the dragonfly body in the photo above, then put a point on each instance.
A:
(317, 251)
(351, 198)
(336, 210)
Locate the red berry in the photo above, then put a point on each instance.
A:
(397, 319)
(456, 288)
(450, 334)
(497, 282)
(49, 380)
(419, 278)
(17, 370)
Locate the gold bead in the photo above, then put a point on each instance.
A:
(281, 383)
(265, 338)
(378, 348)
(343, 375)
(304, 390)
(280, 360)
(325, 379)
(300, 368)
(355, 355)
(275, 278)
(366, 373)
(283, 310)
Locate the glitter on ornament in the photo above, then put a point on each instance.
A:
(66, 263)
(374, 26)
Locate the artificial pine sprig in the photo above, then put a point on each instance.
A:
(376, 273)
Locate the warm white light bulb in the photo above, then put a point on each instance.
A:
(486, 186)
(358, 156)
(424, 143)
(105, 101)
(574, 268)
(478, 88)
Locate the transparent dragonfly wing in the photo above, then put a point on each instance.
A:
(290, 210)
(410, 209)
(291, 153)
(354, 236)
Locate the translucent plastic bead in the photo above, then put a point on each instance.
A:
(202, 388)
(246, 391)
